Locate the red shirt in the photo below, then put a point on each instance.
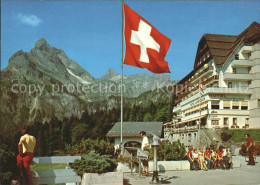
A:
(249, 141)
(189, 154)
(207, 154)
(220, 153)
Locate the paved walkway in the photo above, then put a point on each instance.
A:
(245, 175)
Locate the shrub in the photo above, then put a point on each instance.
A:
(125, 159)
(86, 145)
(170, 151)
(94, 163)
(8, 169)
(225, 136)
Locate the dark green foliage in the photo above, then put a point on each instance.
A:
(80, 135)
(94, 163)
(7, 165)
(86, 145)
(226, 136)
(170, 151)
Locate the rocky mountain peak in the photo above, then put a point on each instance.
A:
(42, 44)
(111, 72)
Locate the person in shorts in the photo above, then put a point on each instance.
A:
(145, 148)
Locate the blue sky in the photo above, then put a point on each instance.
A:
(90, 31)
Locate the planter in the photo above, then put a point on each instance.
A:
(110, 178)
(124, 167)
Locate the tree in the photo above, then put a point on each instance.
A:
(148, 117)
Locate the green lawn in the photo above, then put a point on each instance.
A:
(238, 136)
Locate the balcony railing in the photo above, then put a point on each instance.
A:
(236, 76)
(182, 86)
(207, 82)
(241, 63)
(226, 90)
(246, 49)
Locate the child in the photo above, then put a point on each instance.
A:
(196, 159)
(214, 157)
(201, 159)
(229, 163)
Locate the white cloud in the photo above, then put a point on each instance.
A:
(30, 20)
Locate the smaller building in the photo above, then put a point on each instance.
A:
(131, 130)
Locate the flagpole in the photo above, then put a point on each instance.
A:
(122, 55)
(200, 108)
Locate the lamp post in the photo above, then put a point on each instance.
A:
(155, 179)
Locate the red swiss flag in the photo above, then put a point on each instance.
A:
(146, 47)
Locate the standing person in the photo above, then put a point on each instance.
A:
(226, 157)
(249, 149)
(190, 158)
(145, 148)
(26, 148)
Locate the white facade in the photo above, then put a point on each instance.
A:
(231, 95)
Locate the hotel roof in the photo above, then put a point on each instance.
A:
(222, 46)
(132, 129)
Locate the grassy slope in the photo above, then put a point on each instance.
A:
(238, 136)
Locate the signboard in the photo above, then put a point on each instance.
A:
(198, 101)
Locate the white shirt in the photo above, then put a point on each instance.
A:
(144, 142)
(224, 152)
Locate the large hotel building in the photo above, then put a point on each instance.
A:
(228, 69)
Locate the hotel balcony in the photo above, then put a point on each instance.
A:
(225, 90)
(228, 112)
(194, 116)
(208, 82)
(202, 74)
(237, 77)
(246, 49)
(195, 78)
(241, 63)
(185, 129)
(177, 109)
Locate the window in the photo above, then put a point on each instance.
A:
(235, 105)
(229, 84)
(214, 122)
(258, 103)
(234, 121)
(234, 70)
(246, 120)
(244, 105)
(214, 104)
(244, 108)
(236, 56)
(226, 104)
(225, 121)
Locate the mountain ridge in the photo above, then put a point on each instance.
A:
(59, 87)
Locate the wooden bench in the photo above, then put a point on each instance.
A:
(55, 176)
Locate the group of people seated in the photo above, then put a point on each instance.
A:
(211, 158)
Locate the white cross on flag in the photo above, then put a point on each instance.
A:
(146, 47)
